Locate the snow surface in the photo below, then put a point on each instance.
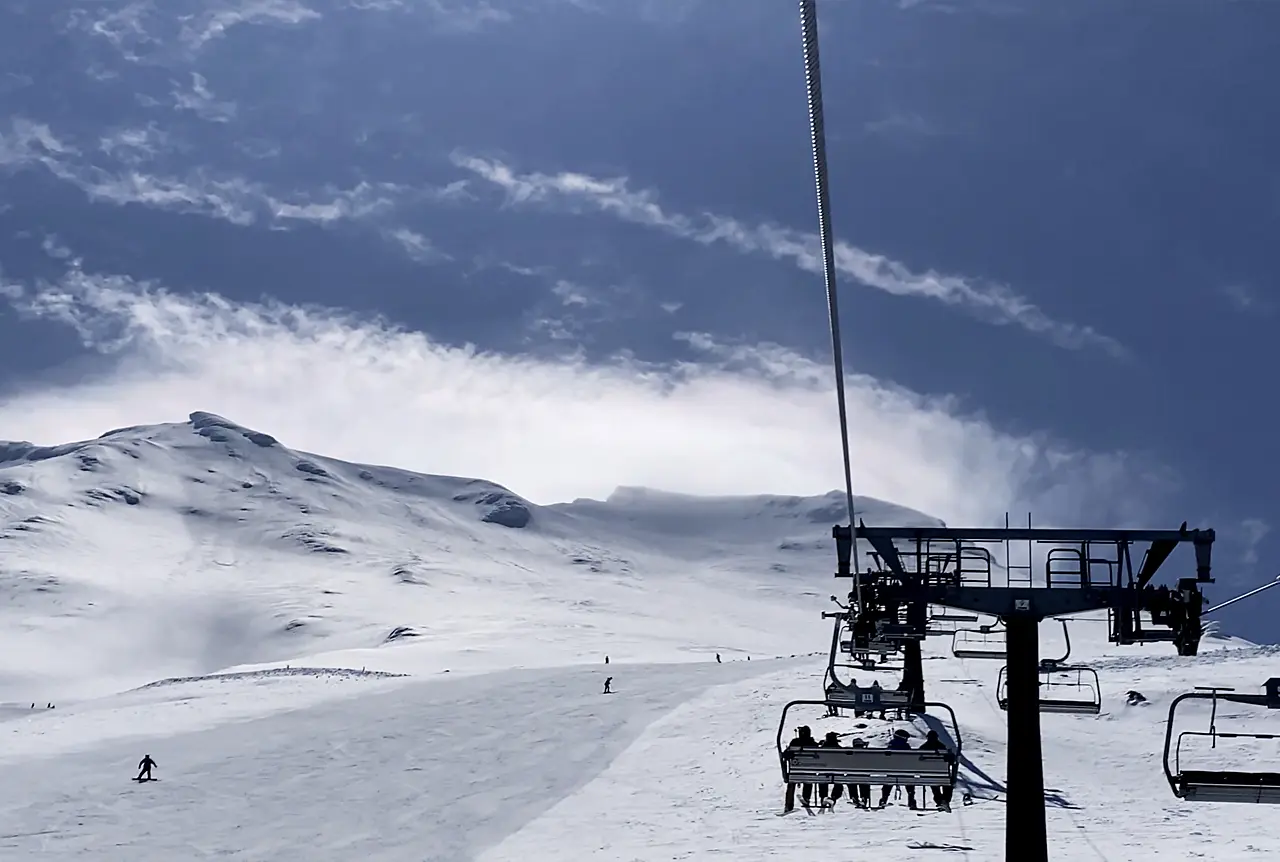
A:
(151, 578)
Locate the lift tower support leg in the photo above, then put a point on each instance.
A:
(1024, 795)
(913, 674)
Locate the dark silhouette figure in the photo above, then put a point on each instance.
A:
(606, 659)
(832, 740)
(804, 739)
(144, 768)
(717, 658)
(941, 795)
(859, 794)
(900, 741)
(607, 685)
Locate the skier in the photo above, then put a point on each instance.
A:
(607, 683)
(941, 795)
(803, 739)
(717, 658)
(825, 802)
(144, 768)
(900, 741)
(862, 798)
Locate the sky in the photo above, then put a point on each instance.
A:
(570, 244)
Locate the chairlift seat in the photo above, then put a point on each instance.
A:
(1206, 786)
(969, 652)
(1071, 707)
(869, 766)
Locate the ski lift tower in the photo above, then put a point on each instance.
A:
(1085, 570)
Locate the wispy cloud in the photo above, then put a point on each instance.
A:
(200, 100)
(156, 31)
(552, 429)
(134, 145)
(1246, 299)
(415, 245)
(200, 191)
(1255, 530)
(995, 303)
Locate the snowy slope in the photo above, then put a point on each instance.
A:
(536, 764)
(200, 546)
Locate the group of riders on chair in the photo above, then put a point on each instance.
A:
(860, 794)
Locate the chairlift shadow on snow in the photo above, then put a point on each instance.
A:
(1052, 796)
(926, 845)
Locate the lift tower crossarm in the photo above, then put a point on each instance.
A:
(1070, 535)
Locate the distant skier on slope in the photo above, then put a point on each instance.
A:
(144, 768)
(607, 684)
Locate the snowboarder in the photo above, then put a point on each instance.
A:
(941, 795)
(607, 685)
(717, 658)
(144, 768)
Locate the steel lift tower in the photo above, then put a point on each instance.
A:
(1085, 570)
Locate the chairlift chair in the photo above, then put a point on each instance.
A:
(868, 765)
(1065, 695)
(852, 697)
(979, 643)
(1199, 785)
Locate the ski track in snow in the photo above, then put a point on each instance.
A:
(430, 771)
(531, 765)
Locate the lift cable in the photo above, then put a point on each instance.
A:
(1253, 592)
(817, 135)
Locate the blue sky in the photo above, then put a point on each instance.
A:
(1057, 225)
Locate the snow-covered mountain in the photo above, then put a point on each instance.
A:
(186, 548)
(334, 596)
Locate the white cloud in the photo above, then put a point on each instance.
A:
(570, 293)
(415, 245)
(745, 419)
(1246, 299)
(202, 102)
(214, 22)
(228, 197)
(133, 146)
(995, 303)
(1255, 530)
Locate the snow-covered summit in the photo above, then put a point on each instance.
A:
(185, 548)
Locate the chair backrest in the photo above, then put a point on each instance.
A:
(869, 766)
(866, 698)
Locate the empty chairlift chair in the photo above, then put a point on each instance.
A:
(1068, 689)
(1201, 785)
(864, 699)
(868, 765)
(979, 643)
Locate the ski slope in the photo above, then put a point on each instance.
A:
(537, 764)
